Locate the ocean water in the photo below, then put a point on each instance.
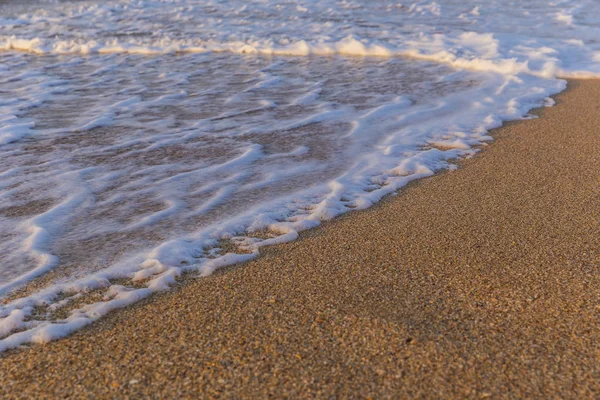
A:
(144, 139)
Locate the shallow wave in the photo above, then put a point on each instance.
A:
(502, 36)
(137, 146)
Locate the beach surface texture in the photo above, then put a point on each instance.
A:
(144, 141)
(479, 282)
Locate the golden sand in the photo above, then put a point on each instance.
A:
(482, 282)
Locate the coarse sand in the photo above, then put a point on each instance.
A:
(481, 282)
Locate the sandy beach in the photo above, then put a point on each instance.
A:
(475, 283)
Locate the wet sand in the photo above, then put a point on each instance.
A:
(482, 282)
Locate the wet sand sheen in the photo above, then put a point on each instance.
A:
(474, 283)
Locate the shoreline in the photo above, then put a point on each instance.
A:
(420, 295)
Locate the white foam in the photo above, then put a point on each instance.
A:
(13, 129)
